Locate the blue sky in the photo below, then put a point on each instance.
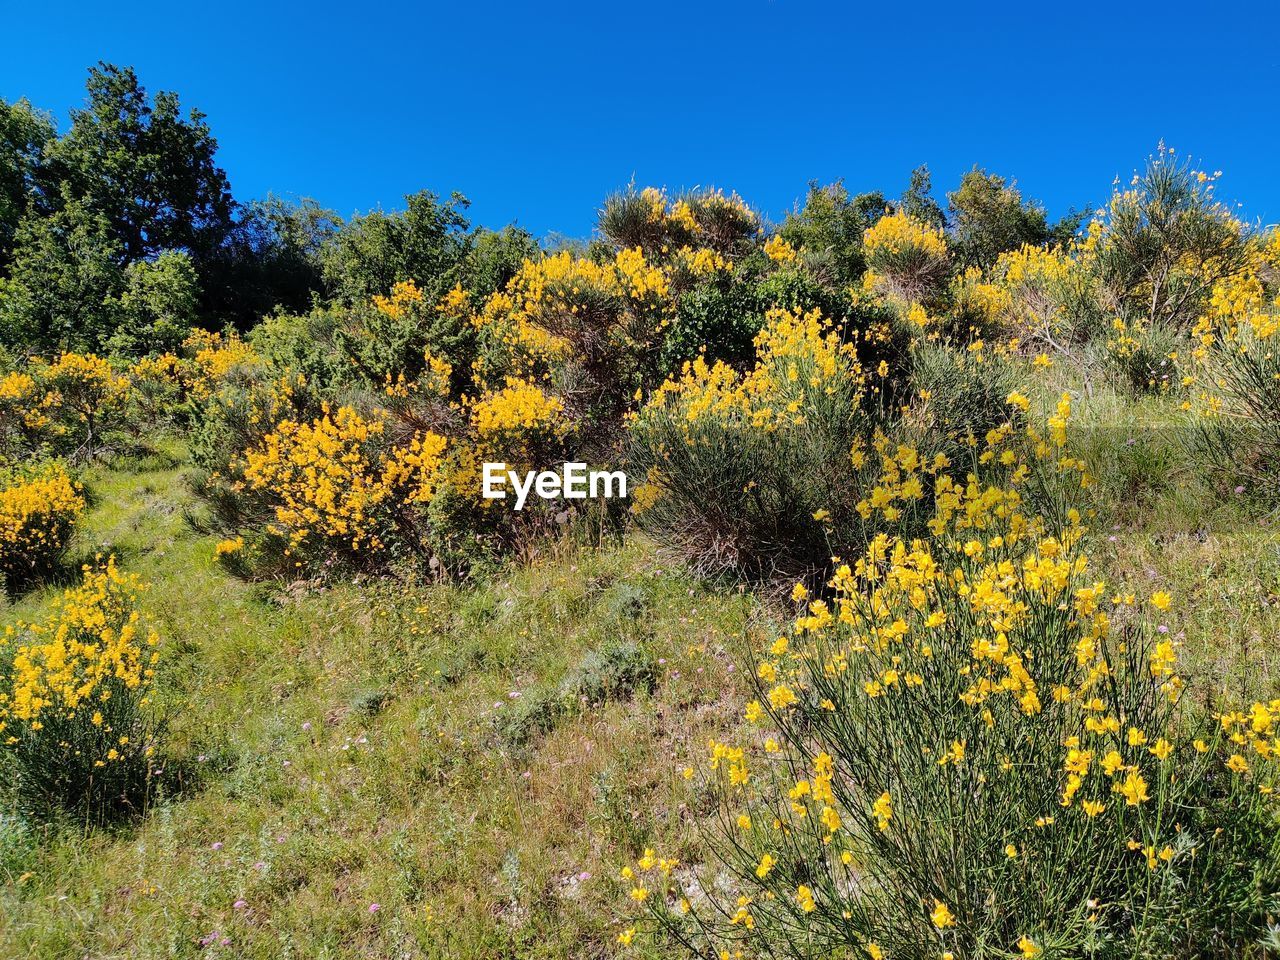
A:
(536, 111)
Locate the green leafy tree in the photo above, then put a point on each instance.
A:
(273, 258)
(144, 166)
(158, 305)
(494, 258)
(23, 135)
(426, 242)
(830, 227)
(67, 270)
(918, 202)
(989, 216)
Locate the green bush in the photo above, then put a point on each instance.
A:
(749, 474)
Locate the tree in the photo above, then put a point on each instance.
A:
(144, 167)
(157, 307)
(272, 258)
(494, 257)
(989, 217)
(67, 268)
(426, 243)
(917, 200)
(831, 225)
(23, 135)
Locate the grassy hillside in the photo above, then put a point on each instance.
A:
(377, 769)
(384, 770)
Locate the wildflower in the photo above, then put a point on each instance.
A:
(804, 897)
(1028, 948)
(942, 916)
(882, 810)
(1133, 789)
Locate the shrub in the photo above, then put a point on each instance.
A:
(961, 395)
(1161, 244)
(338, 488)
(74, 699)
(972, 750)
(906, 257)
(66, 406)
(1237, 380)
(646, 220)
(748, 474)
(1144, 354)
(1053, 299)
(25, 424)
(38, 510)
(617, 671)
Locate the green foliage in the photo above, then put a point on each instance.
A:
(616, 671)
(157, 306)
(917, 200)
(989, 217)
(967, 395)
(66, 270)
(1143, 357)
(24, 131)
(720, 318)
(271, 259)
(829, 229)
(144, 166)
(426, 243)
(494, 258)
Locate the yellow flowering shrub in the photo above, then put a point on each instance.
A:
(336, 484)
(1038, 281)
(734, 466)
(595, 324)
(25, 416)
(38, 511)
(211, 358)
(1234, 375)
(649, 220)
(83, 396)
(906, 258)
(971, 746)
(74, 698)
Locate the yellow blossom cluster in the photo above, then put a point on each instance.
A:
(91, 650)
(899, 233)
(518, 417)
(802, 360)
(37, 514)
(337, 479)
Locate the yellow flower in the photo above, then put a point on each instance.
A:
(942, 916)
(1133, 789)
(1027, 947)
(1161, 600)
(626, 936)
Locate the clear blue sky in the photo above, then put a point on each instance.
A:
(536, 111)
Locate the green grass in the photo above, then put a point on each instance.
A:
(353, 746)
(479, 761)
